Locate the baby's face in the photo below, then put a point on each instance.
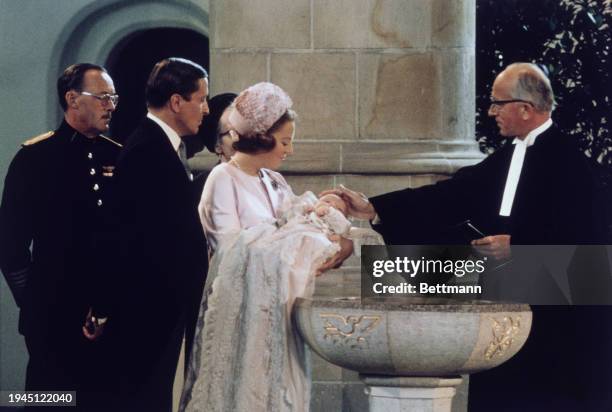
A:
(335, 201)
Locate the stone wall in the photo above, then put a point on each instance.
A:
(381, 87)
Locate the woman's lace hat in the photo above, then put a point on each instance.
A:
(257, 108)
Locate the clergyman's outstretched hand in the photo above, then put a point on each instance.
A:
(358, 204)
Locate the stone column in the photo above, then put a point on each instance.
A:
(382, 88)
(385, 94)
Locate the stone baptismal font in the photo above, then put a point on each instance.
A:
(410, 353)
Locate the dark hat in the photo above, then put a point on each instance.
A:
(207, 133)
(210, 124)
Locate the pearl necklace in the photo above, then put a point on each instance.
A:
(235, 163)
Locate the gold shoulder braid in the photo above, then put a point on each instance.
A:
(111, 140)
(38, 138)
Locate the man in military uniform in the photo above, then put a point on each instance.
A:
(54, 201)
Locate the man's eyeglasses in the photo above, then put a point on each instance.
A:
(498, 104)
(105, 98)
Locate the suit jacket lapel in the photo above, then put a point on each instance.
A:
(169, 157)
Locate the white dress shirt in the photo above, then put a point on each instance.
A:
(516, 165)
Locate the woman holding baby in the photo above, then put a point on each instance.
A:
(266, 245)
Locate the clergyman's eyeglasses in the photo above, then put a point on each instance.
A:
(499, 104)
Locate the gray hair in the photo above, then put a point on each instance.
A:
(533, 85)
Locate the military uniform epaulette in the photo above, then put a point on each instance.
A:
(38, 138)
(111, 140)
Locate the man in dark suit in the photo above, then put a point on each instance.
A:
(162, 250)
(54, 200)
(537, 190)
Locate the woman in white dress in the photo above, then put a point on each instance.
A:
(247, 355)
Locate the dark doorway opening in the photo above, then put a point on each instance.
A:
(131, 61)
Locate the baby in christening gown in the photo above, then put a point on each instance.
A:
(247, 354)
(329, 216)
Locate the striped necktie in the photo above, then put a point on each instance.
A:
(182, 152)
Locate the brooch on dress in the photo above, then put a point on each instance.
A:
(273, 182)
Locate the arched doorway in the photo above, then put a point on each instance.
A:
(131, 60)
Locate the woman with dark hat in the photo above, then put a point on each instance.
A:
(214, 130)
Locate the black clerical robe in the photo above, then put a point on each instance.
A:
(554, 201)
